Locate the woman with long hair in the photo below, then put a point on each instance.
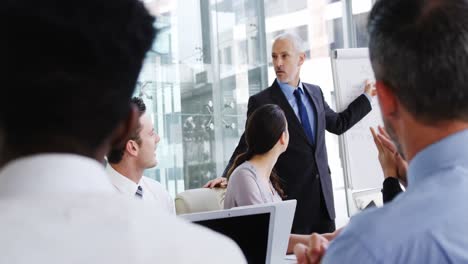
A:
(252, 178)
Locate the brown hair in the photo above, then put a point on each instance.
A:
(115, 155)
(264, 128)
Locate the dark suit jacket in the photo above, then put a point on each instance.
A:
(391, 188)
(304, 164)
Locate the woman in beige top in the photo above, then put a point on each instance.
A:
(252, 179)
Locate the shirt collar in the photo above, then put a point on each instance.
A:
(45, 174)
(288, 90)
(449, 152)
(122, 183)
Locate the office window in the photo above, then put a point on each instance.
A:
(210, 56)
(278, 7)
(360, 11)
(196, 83)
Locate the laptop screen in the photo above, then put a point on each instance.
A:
(250, 232)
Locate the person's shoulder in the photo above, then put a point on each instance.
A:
(386, 226)
(311, 87)
(160, 233)
(157, 187)
(245, 169)
(403, 231)
(152, 182)
(386, 223)
(123, 222)
(262, 95)
(265, 93)
(192, 241)
(357, 240)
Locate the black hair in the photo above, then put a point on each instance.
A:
(116, 153)
(418, 48)
(72, 65)
(263, 130)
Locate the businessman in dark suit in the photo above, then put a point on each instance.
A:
(303, 168)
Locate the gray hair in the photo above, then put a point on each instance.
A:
(430, 80)
(297, 42)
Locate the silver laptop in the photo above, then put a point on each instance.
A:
(261, 231)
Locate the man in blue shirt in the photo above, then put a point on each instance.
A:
(419, 55)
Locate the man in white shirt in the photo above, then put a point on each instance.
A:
(126, 164)
(73, 66)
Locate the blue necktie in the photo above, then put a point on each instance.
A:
(303, 115)
(139, 192)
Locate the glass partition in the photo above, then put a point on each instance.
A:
(211, 55)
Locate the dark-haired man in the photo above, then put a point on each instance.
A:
(126, 164)
(73, 66)
(419, 54)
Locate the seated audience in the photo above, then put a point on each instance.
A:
(126, 164)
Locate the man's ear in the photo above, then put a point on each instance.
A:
(387, 100)
(302, 57)
(122, 133)
(131, 147)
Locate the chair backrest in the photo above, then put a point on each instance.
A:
(200, 200)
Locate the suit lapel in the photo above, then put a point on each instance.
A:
(279, 98)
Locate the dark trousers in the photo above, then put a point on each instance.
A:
(311, 214)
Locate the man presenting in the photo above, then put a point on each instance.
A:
(303, 168)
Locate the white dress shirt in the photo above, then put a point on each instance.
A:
(59, 208)
(152, 190)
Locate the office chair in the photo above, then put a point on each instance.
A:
(200, 200)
